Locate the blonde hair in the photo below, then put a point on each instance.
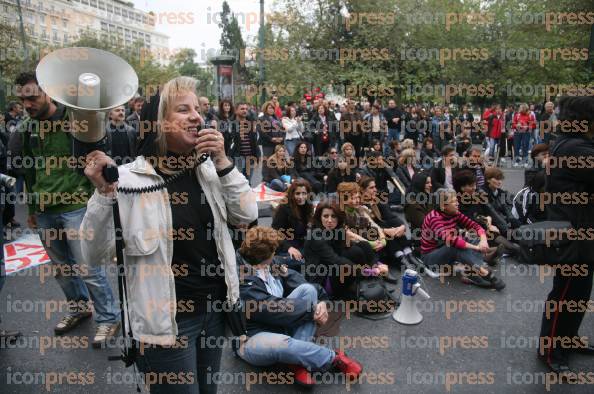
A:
(406, 156)
(345, 145)
(266, 105)
(171, 90)
(407, 144)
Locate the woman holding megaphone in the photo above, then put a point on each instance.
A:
(176, 286)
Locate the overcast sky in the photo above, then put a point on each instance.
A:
(204, 33)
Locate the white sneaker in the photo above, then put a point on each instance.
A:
(104, 332)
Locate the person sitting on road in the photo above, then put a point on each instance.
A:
(303, 167)
(339, 174)
(275, 168)
(475, 204)
(418, 201)
(328, 260)
(292, 219)
(362, 231)
(284, 335)
(499, 198)
(442, 244)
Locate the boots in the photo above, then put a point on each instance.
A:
(510, 248)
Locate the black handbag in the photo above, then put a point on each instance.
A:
(375, 301)
(545, 243)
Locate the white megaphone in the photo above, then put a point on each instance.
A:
(407, 312)
(89, 82)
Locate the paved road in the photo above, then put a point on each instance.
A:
(437, 356)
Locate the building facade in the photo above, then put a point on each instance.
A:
(60, 22)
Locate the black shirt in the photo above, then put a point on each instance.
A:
(195, 264)
(390, 114)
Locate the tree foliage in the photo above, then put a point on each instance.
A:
(438, 50)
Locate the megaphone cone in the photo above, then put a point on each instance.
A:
(407, 312)
(89, 82)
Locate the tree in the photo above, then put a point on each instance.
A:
(183, 64)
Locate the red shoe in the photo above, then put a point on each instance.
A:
(302, 376)
(351, 368)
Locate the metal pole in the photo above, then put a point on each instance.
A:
(261, 54)
(591, 50)
(2, 92)
(23, 36)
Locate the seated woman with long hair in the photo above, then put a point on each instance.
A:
(275, 168)
(339, 174)
(418, 201)
(303, 167)
(329, 259)
(392, 226)
(291, 220)
(361, 228)
(429, 154)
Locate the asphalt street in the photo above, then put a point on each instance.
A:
(471, 340)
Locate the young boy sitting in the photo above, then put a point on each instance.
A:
(283, 310)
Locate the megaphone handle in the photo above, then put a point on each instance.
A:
(110, 173)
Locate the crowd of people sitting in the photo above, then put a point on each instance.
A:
(367, 190)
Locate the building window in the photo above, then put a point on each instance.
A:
(93, 3)
(102, 6)
(117, 11)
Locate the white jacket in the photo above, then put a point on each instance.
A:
(147, 225)
(293, 128)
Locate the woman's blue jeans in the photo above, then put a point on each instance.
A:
(196, 357)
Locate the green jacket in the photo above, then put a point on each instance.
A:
(54, 184)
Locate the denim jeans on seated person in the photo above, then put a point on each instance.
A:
(277, 185)
(297, 348)
(445, 255)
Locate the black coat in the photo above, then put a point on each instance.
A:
(335, 177)
(235, 139)
(324, 248)
(292, 227)
(404, 177)
(388, 218)
(568, 179)
(502, 204)
(479, 206)
(267, 130)
(438, 176)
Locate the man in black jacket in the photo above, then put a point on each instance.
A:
(242, 141)
(561, 320)
(393, 116)
(282, 312)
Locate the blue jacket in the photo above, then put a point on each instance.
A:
(267, 313)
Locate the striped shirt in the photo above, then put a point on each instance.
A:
(439, 229)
